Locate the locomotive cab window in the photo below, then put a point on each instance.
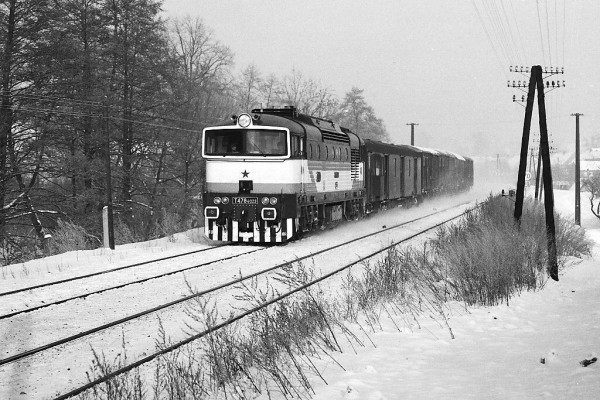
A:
(245, 142)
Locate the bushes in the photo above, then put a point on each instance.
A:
(68, 237)
(488, 258)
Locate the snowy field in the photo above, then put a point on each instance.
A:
(496, 352)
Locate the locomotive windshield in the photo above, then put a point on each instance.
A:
(245, 142)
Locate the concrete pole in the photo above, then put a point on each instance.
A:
(412, 132)
(577, 172)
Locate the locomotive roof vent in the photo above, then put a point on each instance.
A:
(289, 111)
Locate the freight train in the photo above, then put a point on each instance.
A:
(275, 173)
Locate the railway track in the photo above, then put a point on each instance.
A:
(29, 291)
(62, 343)
(103, 272)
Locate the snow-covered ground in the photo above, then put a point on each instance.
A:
(496, 352)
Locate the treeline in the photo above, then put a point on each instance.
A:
(91, 83)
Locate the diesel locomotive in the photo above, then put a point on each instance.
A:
(275, 173)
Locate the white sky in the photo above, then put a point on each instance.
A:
(442, 64)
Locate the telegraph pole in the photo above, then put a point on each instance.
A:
(412, 132)
(577, 171)
(536, 84)
(109, 233)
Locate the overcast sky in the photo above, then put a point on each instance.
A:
(442, 64)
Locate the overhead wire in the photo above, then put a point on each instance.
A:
(537, 3)
(556, 29)
(81, 114)
(519, 35)
(511, 31)
(499, 30)
(487, 34)
(514, 46)
(548, 31)
(76, 102)
(563, 35)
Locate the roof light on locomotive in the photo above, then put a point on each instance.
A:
(244, 120)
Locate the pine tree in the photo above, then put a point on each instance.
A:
(355, 114)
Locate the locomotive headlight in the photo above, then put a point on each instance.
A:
(244, 120)
(217, 200)
(211, 212)
(264, 201)
(273, 200)
(225, 200)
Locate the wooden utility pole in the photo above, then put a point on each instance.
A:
(109, 231)
(536, 81)
(577, 171)
(412, 132)
(538, 173)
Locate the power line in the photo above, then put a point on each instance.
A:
(514, 14)
(498, 58)
(548, 31)
(77, 114)
(514, 44)
(102, 106)
(540, 26)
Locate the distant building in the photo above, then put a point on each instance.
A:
(590, 163)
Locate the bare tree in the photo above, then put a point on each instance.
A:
(248, 86)
(307, 96)
(269, 90)
(592, 183)
(201, 87)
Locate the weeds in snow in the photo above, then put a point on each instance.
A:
(125, 386)
(487, 258)
(484, 259)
